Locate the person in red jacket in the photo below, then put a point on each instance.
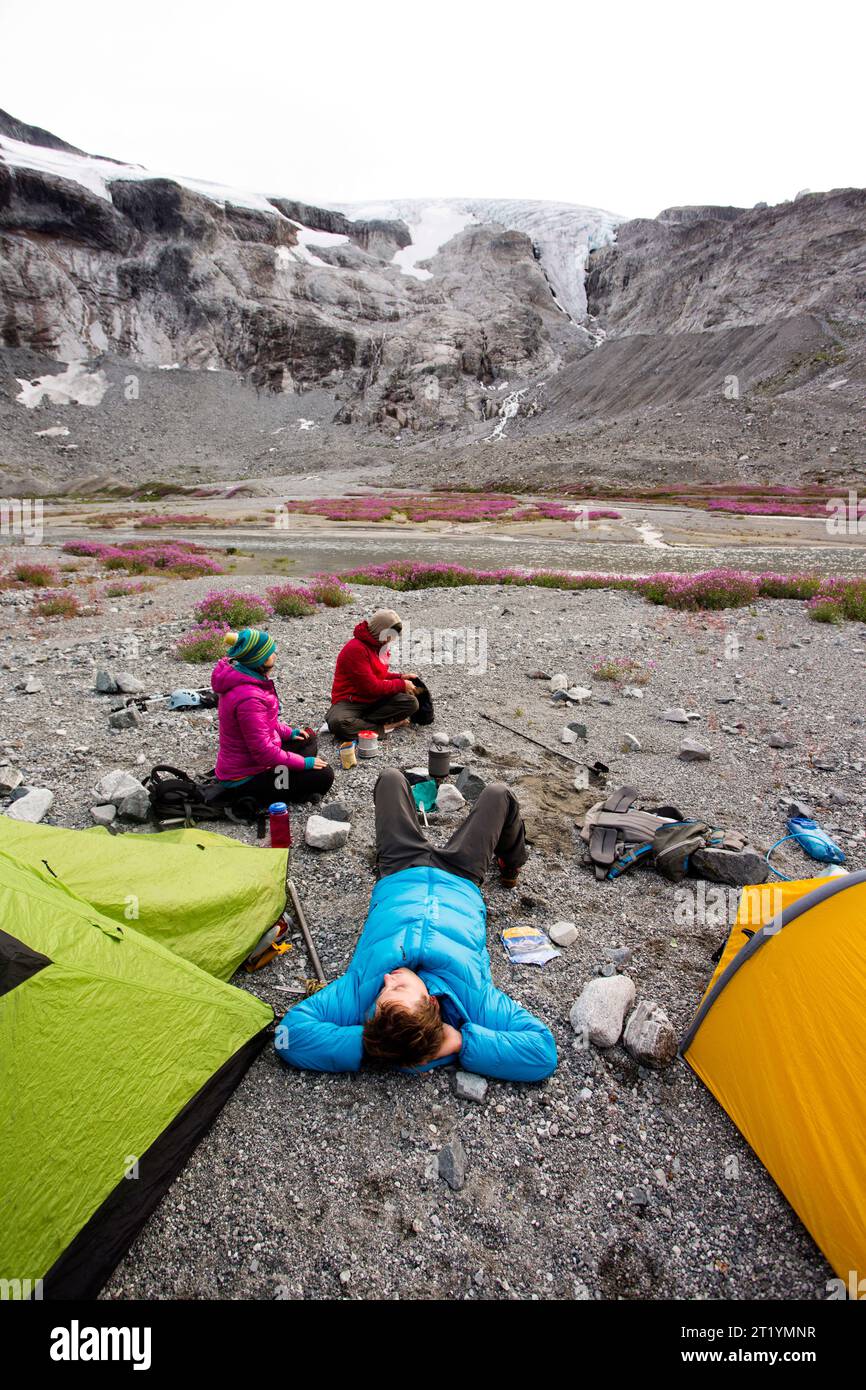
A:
(366, 694)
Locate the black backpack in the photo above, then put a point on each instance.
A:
(424, 713)
(175, 796)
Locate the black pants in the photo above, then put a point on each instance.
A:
(283, 783)
(347, 718)
(493, 826)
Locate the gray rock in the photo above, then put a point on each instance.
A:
(33, 686)
(468, 1085)
(632, 692)
(558, 682)
(105, 683)
(693, 752)
(449, 800)
(441, 737)
(563, 933)
(321, 832)
(128, 684)
(10, 778)
(676, 715)
(464, 739)
(469, 784)
(581, 779)
(736, 867)
(630, 744)
(835, 797)
(599, 1012)
(452, 1164)
(579, 729)
(125, 718)
(136, 806)
(649, 1035)
(32, 806)
(116, 785)
(568, 735)
(335, 810)
(618, 955)
(103, 815)
(799, 808)
(579, 694)
(780, 741)
(825, 764)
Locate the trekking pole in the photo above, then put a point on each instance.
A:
(320, 981)
(596, 770)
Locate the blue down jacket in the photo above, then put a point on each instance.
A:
(436, 924)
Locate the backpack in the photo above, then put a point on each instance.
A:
(178, 797)
(424, 713)
(618, 836)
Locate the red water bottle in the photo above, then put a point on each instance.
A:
(280, 825)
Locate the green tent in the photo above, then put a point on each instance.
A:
(119, 1041)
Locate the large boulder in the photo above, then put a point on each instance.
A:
(598, 1014)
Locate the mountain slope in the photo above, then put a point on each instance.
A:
(530, 343)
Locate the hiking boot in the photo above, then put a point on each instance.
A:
(508, 874)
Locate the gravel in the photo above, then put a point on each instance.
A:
(606, 1181)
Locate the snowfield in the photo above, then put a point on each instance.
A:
(563, 233)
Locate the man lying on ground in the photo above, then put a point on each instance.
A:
(366, 694)
(418, 991)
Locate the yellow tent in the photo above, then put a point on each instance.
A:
(780, 1040)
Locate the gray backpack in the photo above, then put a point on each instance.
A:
(618, 836)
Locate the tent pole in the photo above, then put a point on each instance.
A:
(305, 933)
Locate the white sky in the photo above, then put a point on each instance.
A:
(628, 107)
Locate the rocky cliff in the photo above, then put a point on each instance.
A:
(533, 342)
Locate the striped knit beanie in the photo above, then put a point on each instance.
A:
(251, 646)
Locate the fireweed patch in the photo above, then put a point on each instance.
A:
(291, 600)
(202, 643)
(455, 507)
(233, 608)
(180, 559)
(708, 590)
(55, 603)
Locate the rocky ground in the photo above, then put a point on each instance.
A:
(606, 1181)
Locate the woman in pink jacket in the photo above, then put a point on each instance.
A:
(260, 757)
